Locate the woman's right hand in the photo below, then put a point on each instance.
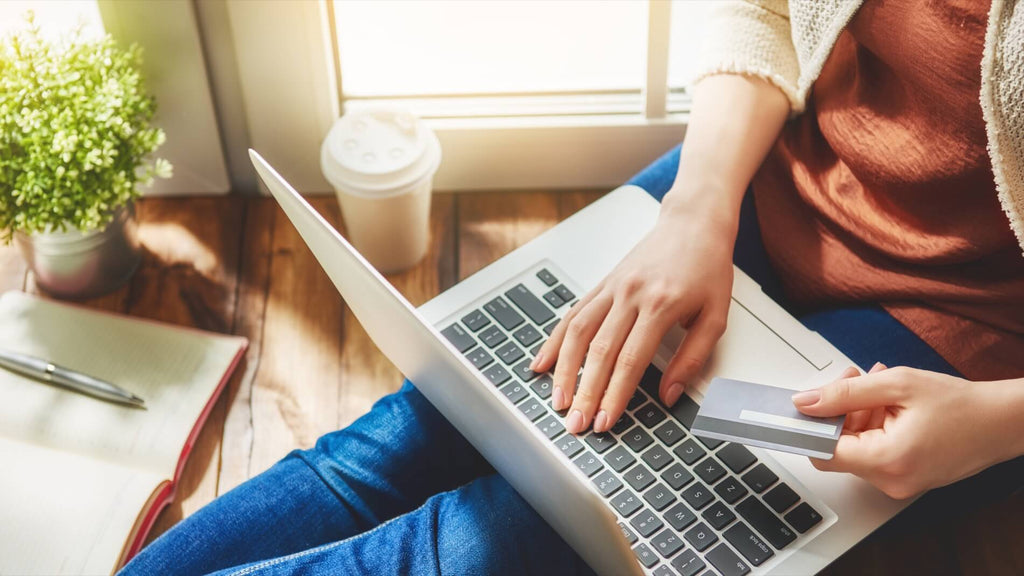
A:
(680, 272)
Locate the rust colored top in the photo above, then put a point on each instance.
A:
(882, 191)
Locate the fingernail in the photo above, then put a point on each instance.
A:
(536, 361)
(575, 422)
(877, 366)
(601, 422)
(806, 398)
(557, 398)
(673, 394)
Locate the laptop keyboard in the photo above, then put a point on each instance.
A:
(685, 504)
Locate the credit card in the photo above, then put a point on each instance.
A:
(764, 416)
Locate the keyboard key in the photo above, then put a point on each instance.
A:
(588, 463)
(711, 444)
(475, 320)
(657, 457)
(626, 503)
(542, 387)
(532, 409)
(630, 536)
(698, 496)
(645, 555)
(479, 357)
(679, 517)
(550, 327)
(659, 496)
(527, 335)
(736, 457)
(607, 484)
(497, 375)
(731, 490)
(564, 293)
(669, 433)
(459, 338)
(503, 313)
(639, 477)
(766, 523)
(760, 478)
(637, 439)
(677, 476)
(700, 536)
(551, 427)
(781, 497)
(718, 515)
(663, 571)
(525, 300)
(509, 353)
(522, 370)
(688, 563)
(554, 299)
(601, 443)
(547, 277)
(651, 380)
(624, 423)
(685, 410)
(636, 401)
(492, 336)
(536, 349)
(649, 415)
(748, 544)
(689, 451)
(709, 470)
(569, 445)
(619, 458)
(515, 392)
(667, 543)
(726, 561)
(803, 517)
(646, 523)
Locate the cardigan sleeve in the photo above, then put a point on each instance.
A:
(753, 38)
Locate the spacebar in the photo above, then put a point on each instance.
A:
(531, 305)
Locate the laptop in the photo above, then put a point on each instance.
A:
(648, 497)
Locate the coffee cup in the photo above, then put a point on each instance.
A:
(381, 163)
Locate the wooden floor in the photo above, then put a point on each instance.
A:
(236, 265)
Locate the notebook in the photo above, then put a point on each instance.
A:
(82, 480)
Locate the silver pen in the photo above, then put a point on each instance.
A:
(48, 372)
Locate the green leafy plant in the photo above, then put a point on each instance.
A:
(75, 131)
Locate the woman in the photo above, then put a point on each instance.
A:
(891, 210)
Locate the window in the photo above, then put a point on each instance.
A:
(522, 94)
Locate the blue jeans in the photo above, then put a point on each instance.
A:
(401, 492)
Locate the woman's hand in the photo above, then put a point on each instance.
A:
(680, 272)
(908, 430)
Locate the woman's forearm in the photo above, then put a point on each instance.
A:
(734, 123)
(1003, 410)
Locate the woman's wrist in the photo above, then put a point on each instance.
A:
(1001, 414)
(710, 205)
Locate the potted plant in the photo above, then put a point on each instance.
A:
(75, 135)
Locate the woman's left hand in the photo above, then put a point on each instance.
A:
(909, 430)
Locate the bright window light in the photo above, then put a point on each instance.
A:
(446, 47)
(55, 17)
(688, 26)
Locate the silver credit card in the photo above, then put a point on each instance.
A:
(764, 416)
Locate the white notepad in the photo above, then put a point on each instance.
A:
(81, 480)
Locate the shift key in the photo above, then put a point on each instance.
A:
(765, 522)
(521, 296)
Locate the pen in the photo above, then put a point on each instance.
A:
(48, 372)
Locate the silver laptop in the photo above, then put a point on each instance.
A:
(647, 497)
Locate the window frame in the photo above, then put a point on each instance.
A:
(291, 86)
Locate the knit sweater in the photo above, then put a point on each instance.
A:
(787, 42)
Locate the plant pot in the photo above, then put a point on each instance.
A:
(76, 264)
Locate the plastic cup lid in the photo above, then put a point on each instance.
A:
(379, 152)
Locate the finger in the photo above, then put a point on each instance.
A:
(637, 352)
(548, 353)
(852, 455)
(601, 356)
(579, 332)
(689, 358)
(850, 394)
(859, 420)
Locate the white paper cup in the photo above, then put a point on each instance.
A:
(381, 163)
